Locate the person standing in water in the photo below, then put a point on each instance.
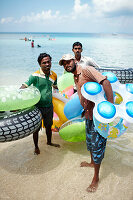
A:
(32, 43)
(96, 144)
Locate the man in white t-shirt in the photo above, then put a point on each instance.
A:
(82, 60)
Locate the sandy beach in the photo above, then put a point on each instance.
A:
(56, 172)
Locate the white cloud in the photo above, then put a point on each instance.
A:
(6, 20)
(43, 16)
(109, 6)
(80, 11)
(39, 17)
(84, 16)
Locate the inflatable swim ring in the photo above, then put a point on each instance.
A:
(110, 130)
(12, 98)
(59, 102)
(73, 130)
(106, 112)
(17, 125)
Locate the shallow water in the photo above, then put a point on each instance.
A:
(18, 60)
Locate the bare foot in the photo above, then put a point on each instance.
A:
(86, 164)
(54, 145)
(93, 186)
(37, 151)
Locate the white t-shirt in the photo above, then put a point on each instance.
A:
(87, 61)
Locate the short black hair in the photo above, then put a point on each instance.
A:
(77, 44)
(41, 56)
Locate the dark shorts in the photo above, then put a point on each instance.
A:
(96, 144)
(47, 115)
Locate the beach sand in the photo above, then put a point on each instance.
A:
(56, 174)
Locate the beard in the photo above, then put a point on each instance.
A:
(73, 69)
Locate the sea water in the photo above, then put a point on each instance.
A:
(18, 59)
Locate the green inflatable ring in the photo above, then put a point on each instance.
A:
(12, 98)
(73, 130)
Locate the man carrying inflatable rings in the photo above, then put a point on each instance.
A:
(95, 142)
(43, 80)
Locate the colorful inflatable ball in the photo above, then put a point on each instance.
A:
(12, 98)
(65, 81)
(105, 113)
(73, 107)
(73, 130)
(17, 125)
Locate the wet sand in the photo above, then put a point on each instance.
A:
(55, 174)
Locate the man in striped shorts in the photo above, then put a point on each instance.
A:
(96, 144)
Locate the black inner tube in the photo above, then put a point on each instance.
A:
(123, 75)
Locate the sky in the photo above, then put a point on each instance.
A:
(89, 16)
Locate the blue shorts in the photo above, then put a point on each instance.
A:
(96, 144)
